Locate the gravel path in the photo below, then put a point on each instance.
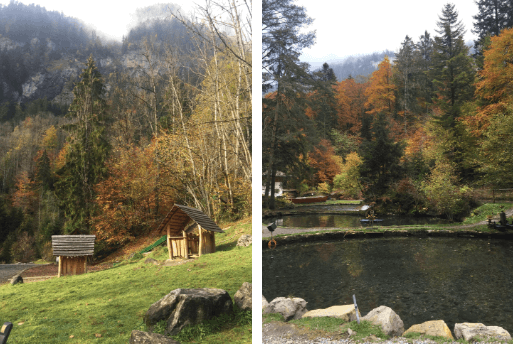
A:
(8, 271)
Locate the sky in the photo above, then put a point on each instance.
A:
(347, 28)
(112, 18)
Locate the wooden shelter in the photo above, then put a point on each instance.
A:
(189, 232)
(72, 251)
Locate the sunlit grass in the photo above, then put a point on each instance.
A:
(106, 306)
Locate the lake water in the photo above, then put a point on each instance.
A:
(452, 279)
(350, 221)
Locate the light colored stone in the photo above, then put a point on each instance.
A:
(437, 328)
(350, 332)
(344, 312)
(242, 297)
(151, 261)
(140, 337)
(264, 302)
(391, 324)
(469, 331)
(290, 308)
(244, 240)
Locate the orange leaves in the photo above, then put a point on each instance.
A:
(495, 85)
(128, 197)
(324, 160)
(24, 197)
(351, 100)
(381, 91)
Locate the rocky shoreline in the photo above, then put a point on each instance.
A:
(383, 317)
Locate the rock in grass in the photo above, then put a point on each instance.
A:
(437, 328)
(244, 240)
(16, 279)
(344, 312)
(151, 261)
(242, 297)
(140, 337)
(264, 302)
(183, 307)
(469, 331)
(390, 323)
(290, 308)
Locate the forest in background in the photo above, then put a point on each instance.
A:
(163, 117)
(418, 136)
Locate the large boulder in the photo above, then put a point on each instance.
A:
(469, 331)
(140, 337)
(290, 308)
(244, 240)
(345, 312)
(437, 328)
(387, 319)
(264, 302)
(183, 307)
(242, 297)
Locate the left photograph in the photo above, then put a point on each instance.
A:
(125, 169)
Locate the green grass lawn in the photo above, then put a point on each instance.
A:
(105, 306)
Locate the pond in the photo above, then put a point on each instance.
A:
(421, 279)
(349, 221)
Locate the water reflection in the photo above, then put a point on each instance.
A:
(350, 221)
(457, 280)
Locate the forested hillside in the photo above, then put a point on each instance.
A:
(418, 136)
(103, 137)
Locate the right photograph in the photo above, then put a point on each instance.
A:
(387, 171)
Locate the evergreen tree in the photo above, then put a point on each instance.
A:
(43, 172)
(322, 100)
(381, 156)
(283, 115)
(493, 16)
(87, 151)
(424, 63)
(452, 72)
(404, 76)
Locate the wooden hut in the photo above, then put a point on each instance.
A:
(72, 251)
(190, 232)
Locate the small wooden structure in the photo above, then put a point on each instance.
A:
(189, 232)
(72, 251)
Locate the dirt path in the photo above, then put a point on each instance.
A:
(8, 271)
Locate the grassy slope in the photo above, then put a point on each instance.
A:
(111, 303)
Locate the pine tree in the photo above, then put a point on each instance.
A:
(381, 156)
(452, 72)
(493, 17)
(87, 150)
(322, 100)
(282, 43)
(405, 75)
(424, 63)
(43, 172)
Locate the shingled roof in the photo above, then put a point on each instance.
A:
(73, 245)
(181, 215)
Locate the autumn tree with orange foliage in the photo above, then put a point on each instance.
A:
(381, 91)
(127, 198)
(494, 89)
(351, 99)
(325, 162)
